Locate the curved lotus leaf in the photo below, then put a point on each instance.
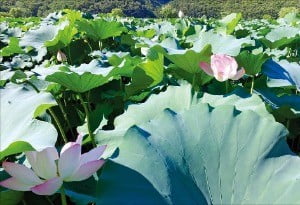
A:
(241, 99)
(227, 44)
(282, 73)
(285, 100)
(62, 39)
(203, 155)
(189, 60)
(37, 37)
(19, 130)
(282, 32)
(228, 23)
(175, 97)
(82, 78)
(100, 29)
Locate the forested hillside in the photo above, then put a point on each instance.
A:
(249, 8)
(148, 8)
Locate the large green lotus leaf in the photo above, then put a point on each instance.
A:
(10, 197)
(19, 130)
(190, 59)
(105, 190)
(76, 82)
(185, 59)
(82, 78)
(281, 36)
(282, 32)
(148, 73)
(12, 48)
(63, 38)
(228, 23)
(100, 29)
(37, 38)
(202, 155)
(252, 63)
(175, 97)
(153, 66)
(225, 44)
(241, 99)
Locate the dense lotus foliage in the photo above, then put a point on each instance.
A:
(149, 111)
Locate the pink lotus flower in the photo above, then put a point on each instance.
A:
(222, 67)
(49, 171)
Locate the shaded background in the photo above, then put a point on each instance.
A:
(149, 8)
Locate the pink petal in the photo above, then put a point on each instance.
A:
(14, 184)
(49, 187)
(223, 66)
(206, 68)
(86, 171)
(43, 163)
(21, 173)
(92, 155)
(79, 139)
(69, 161)
(67, 146)
(221, 76)
(31, 157)
(70, 144)
(239, 74)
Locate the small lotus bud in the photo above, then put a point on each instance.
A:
(180, 14)
(61, 57)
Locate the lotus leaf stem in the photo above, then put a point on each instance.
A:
(87, 113)
(252, 85)
(61, 130)
(63, 196)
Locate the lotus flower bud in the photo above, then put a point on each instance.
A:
(61, 57)
(180, 14)
(223, 67)
(47, 176)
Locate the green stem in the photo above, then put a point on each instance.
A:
(86, 110)
(88, 99)
(100, 45)
(69, 53)
(194, 82)
(252, 85)
(62, 109)
(89, 45)
(226, 86)
(61, 130)
(49, 200)
(63, 196)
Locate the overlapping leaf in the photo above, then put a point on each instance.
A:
(19, 130)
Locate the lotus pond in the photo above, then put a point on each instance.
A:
(108, 110)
